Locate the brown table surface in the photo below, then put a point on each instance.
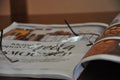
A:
(105, 17)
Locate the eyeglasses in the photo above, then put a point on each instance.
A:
(3, 52)
(92, 34)
(70, 28)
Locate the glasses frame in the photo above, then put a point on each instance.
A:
(75, 34)
(4, 52)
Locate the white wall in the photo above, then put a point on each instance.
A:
(71, 6)
(4, 7)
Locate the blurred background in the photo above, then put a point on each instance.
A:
(62, 6)
(55, 11)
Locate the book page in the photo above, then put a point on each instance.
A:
(46, 51)
(104, 50)
(50, 33)
(42, 60)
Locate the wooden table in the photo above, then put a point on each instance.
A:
(105, 17)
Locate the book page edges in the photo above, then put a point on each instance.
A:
(50, 75)
(107, 57)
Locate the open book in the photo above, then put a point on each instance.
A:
(53, 51)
